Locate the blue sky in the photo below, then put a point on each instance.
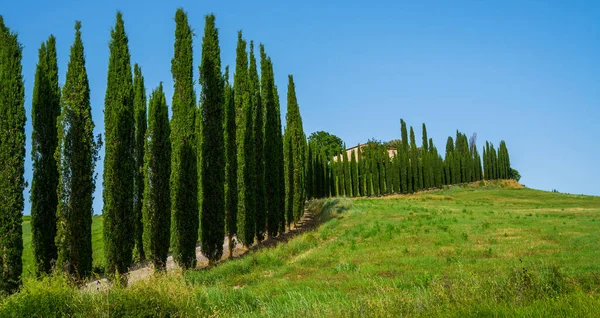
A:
(526, 72)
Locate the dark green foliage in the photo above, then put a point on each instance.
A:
(296, 141)
(494, 162)
(184, 167)
(213, 147)
(381, 159)
(289, 174)
(245, 146)
(515, 174)
(362, 172)
(326, 142)
(273, 151)
(425, 159)
(414, 163)
(45, 110)
(389, 179)
(259, 152)
(139, 106)
(405, 172)
(156, 211)
(449, 161)
(308, 183)
(12, 159)
(347, 175)
(76, 155)
(354, 173)
(279, 151)
(231, 194)
(504, 169)
(119, 162)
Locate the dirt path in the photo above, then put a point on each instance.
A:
(143, 271)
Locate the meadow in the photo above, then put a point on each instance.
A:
(460, 251)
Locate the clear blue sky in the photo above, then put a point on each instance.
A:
(527, 72)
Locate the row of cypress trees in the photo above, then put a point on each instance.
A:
(375, 169)
(203, 173)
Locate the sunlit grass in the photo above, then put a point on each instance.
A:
(462, 251)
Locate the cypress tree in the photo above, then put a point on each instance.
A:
(406, 172)
(270, 170)
(245, 146)
(289, 172)
(139, 106)
(12, 159)
(432, 162)
(389, 177)
(354, 173)
(231, 193)
(449, 161)
(495, 172)
(281, 177)
(213, 144)
(478, 171)
(156, 207)
(296, 141)
(45, 110)
(260, 217)
(381, 161)
(368, 172)
(338, 187)
(362, 173)
(347, 175)
(485, 164)
(76, 156)
(414, 162)
(425, 156)
(184, 165)
(118, 160)
(327, 176)
(309, 184)
(259, 151)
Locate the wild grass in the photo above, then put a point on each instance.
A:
(458, 252)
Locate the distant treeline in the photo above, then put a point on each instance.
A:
(221, 166)
(376, 168)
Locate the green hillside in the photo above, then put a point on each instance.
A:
(462, 251)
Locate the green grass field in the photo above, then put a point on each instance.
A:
(463, 251)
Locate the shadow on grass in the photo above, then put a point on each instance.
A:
(316, 212)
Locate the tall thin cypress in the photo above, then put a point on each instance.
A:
(139, 106)
(45, 110)
(271, 170)
(296, 140)
(347, 175)
(414, 162)
(259, 157)
(213, 148)
(406, 171)
(184, 166)
(12, 159)
(76, 155)
(119, 162)
(156, 207)
(279, 150)
(231, 194)
(354, 173)
(245, 146)
(426, 160)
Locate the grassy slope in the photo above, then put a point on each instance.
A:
(97, 245)
(460, 252)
